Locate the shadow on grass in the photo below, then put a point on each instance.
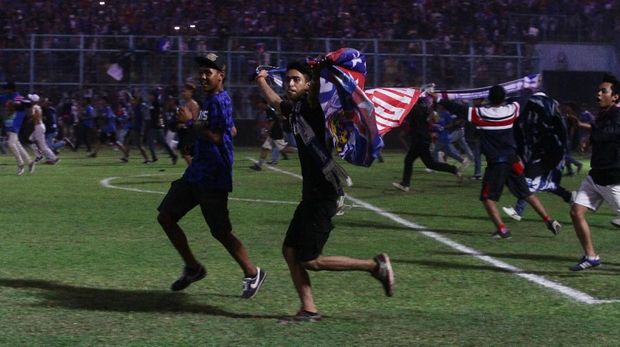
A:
(118, 300)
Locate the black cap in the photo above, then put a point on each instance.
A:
(211, 60)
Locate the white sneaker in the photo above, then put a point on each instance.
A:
(31, 166)
(400, 187)
(20, 170)
(616, 222)
(510, 212)
(429, 170)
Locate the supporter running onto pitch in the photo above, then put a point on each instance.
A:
(207, 182)
(603, 180)
(309, 230)
(541, 138)
(504, 167)
(419, 147)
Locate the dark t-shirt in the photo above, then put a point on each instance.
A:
(276, 128)
(605, 139)
(50, 120)
(418, 123)
(315, 186)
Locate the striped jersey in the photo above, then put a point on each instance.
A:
(496, 136)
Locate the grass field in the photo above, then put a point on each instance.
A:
(82, 264)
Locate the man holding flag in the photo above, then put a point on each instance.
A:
(322, 184)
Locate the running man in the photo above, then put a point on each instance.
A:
(309, 230)
(603, 180)
(207, 182)
(504, 167)
(419, 147)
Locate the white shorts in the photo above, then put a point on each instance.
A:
(592, 195)
(269, 143)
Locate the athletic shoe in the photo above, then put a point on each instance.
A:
(585, 263)
(554, 226)
(188, 277)
(400, 187)
(251, 285)
(175, 159)
(92, 155)
(273, 162)
(256, 167)
(301, 317)
(616, 222)
(38, 159)
(476, 177)
(125, 159)
(384, 273)
(146, 161)
(510, 212)
(154, 160)
(20, 170)
(429, 170)
(502, 235)
(31, 166)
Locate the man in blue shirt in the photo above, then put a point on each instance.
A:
(16, 108)
(207, 181)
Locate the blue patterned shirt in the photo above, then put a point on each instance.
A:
(212, 163)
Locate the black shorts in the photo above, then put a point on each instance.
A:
(184, 196)
(496, 175)
(310, 228)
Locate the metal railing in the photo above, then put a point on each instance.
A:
(64, 64)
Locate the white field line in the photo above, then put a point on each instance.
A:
(569, 292)
(107, 183)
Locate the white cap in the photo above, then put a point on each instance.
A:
(33, 97)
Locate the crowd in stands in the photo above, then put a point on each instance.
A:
(457, 20)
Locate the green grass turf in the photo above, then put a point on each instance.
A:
(85, 265)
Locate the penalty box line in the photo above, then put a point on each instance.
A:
(566, 291)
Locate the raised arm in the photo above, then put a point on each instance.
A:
(272, 97)
(455, 108)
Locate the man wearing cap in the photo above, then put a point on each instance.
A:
(39, 144)
(207, 181)
(16, 108)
